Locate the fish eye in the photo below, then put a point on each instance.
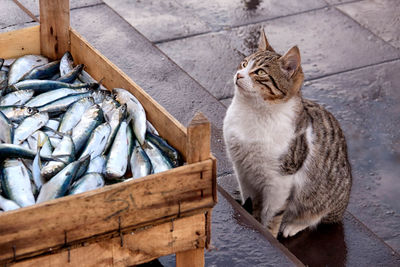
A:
(30, 110)
(114, 97)
(260, 72)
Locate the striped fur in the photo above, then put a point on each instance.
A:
(289, 154)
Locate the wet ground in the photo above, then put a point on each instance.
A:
(351, 59)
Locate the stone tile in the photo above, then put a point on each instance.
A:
(152, 70)
(164, 20)
(159, 20)
(33, 5)
(11, 14)
(337, 2)
(381, 17)
(18, 26)
(228, 13)
(366, 103)
(329, 42)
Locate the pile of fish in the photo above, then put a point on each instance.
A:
(63, 133)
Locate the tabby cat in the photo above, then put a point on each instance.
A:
(289, 153)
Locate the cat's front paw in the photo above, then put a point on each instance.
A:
(292, 229)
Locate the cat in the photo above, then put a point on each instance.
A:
(289, 154)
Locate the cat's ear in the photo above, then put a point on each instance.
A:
(263, 44)
(290, 61)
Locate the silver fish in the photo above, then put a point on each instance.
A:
(7, 204)
(46, 147)
(29, 125)
(17, 113)
(173, 155)
(55, 140)
(115, 120)
(97, 141)
(159, 162)
(18, 151)
(109, 105)
(117, 161)
(90, 120)
(16, 182)
(65, 152)
(88, 182)
(74, 114)
(135, 110)
(62, 104)
(42, 72)
(72, 75)
(6, 129)
(41, 86)
(53, 95)
(16, 98)
(151, 128)
(140, 163)
(66, 63)
(23, 65)
(97, 164)
(3, 82)
(59, 184)
(53, 124)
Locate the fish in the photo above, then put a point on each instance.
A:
(117, 160)
(65, 151)
(37, 165)
(88, 182)
(29, 125)
(7, 204)
(53, 95)
(173, 155)
(97, 164)
(42, 72)
(115, 120)
(3, 82)
(135, 109)
(72, 75)
(46, 147)
(159, 162)
(97, 141)
(23, 65)
(58, 185)
(150, 128)
(109, 105)
(74, 114)
(140, 163)
(17, 113)
(16, 182)
(17, 151)
(42, 86)
(60, 105)
(66, 63)
(6, 129)
(16, 98)
(82, 131)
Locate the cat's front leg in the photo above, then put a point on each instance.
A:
(275, 199)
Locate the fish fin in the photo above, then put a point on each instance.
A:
(46, 128)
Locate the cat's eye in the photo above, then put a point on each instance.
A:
(244, 64)
(260, 72)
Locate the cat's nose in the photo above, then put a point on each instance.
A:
(238, 76)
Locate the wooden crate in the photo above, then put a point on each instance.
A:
(122, 224)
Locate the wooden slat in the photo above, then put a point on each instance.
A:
(54, 28)
(100, 68)
(198, 139)
(138, 246)
(198, 149)
(192, 258)
(20, 42)
(122, 205)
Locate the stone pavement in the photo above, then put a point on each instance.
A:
(184, 54)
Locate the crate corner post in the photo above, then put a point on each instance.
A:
(54, 28)
(198, 149)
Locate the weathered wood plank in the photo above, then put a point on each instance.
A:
(138, 246)
(198, 139)
(20, 42)
(54, 28)
(100, 68)
(122, 205)
(192, 258)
